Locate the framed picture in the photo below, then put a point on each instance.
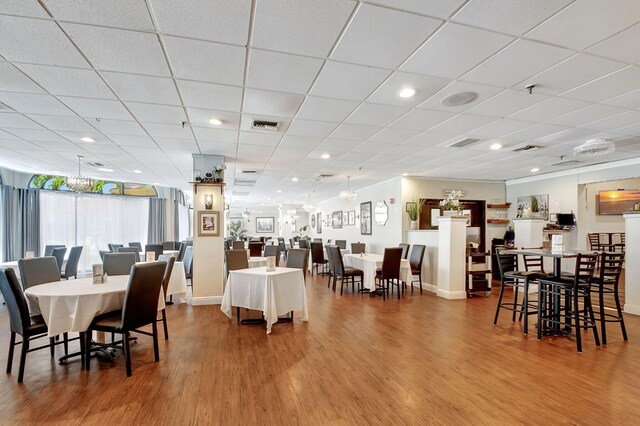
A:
(208, 201)
(617, 202)
(265, 225)
(319, 223)
(329, 221)
(408, 206)
(365, 218)
(534, 206)
(337, 220)
(351, 217)
(208, 224)
(313, 221)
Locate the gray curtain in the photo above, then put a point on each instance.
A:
(6, 221)
(157, 220)
(20, 222)
(176, 214)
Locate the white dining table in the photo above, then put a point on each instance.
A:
(70, 306)
(274, 293)
(369, 263)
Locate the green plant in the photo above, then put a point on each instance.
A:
(98, 186)
(40, 181)
(237, 231)
(414, 209)
(58, 182)
(534, 204)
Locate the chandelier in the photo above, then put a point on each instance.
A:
(594, 148)
(308, 207)
(79, 183)
(348, 194)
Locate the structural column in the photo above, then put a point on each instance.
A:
(632, 264)
(452, 239)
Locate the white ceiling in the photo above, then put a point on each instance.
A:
(129, 73)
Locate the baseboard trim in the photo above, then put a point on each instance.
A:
(631, 309)
(426, 287)
(453, 295)
(209, 300)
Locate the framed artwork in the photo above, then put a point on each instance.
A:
(337, 220)
(208, 201)
(265, 225)
(408, 206)
(381, 213)
(351, 217)
(208, 224)
(534, 206)
(365, 218)
(313, 221)
(617, 202)
(319, 223)
(329, 221)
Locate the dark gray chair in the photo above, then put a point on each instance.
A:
(48, 249)
(342, 244)
(133, 250)
(298, 258)
(188, 261)
(102, 253)
(156, 248)
(59, 253)
(38, 270)
(389, 275)
(171, 260)
(273, 251)
(137, 245)
(357, 248)
(113, 248)
(118, 263)
(71, 268)
(317, 258)
(405, 250)
(417, 256)
(168, 245)
(140, 309)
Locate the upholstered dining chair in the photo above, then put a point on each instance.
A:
(38, 270)
(158, 249)
(343, 273)
(405, 250)
(170, 260)
(187, 262)
(118, 263)
(389, 275)
(71, 267)
(113, 248)
(236, 259)
(255, 249)
(298, 258)
(357, 248)
(137, 245)
(59, 253)
(415, 262)
(238, 245)
(342, 244)
(48, 249)
(168, 245)
(133, 250)
(317, 258)
(273, 251)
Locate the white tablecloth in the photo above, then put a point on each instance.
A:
(173, 253)
(274, 293)
(70, 306)
(369, 263)
(256, 262)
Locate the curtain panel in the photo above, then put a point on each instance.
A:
(157, 220)
(20, 224)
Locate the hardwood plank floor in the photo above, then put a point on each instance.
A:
(359, 360)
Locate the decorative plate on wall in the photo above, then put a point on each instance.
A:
(381, 213)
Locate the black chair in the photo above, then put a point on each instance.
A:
(168, 245)
(140, 308)
(358, 248)
(71, 267)
(389, 274)
(343, 273)
(156, 248)
(552, 316)
(606, 283)
(415, 262)
(48, 249)
(238, 245)
(255, 249)
(113, 248)
(170, 260)
(317, 240)
(331, 266)
(342, 244)
(133, 250)
(283, 248)
(303, 244)
(59, 253)
(273, 251)
(137, 245)
(317, 258)
(29, 328)
(118, 263)
(188, 262)
(405, 250)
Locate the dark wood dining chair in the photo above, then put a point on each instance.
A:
(415, 262)
(389, 275)
(345, 273)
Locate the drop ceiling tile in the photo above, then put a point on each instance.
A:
(320, 129)
(33, 135)
(629, 100)
(567, 28)
(299, 142)
(326, 109)
(482, 91)
(622, 46)
(436, 8)
(37, 41)
(499, 128)
(206, 61)
(281, 71)
(28, 103)
(13, 80)
(512, 17)
(506, 103)
(9, 120)
(58, 148)
(210, 96)
(119, 127)
(436, 56)
(516, 62)
(375, 114)
(463, 123)
(391, 135)
(633, 130)
(200, 118)
(128, 140)
(173, 131)
(549, 109)
(120, 50)
(373, 147)
(96, 108)
(177, 144)
(12, 136)
(618, 83)
(152, 113)
(278, 104)
(288, 25)
(52, 122)
(535, 132)
(425, 86)
(68, 81)
(142, 88)
(338, 145)
(586, 115)
(224, 21)
(383, 37)
(218, 135)
(430, 139)
(23, 8)
(346, 81)
(422, 119)
(354, 132)
(261, 151)
(259, 138)
(110, 13)
(566, 136)
(615, 122)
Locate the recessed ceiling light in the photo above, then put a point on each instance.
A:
(155, 183)
(405, 174)
(215, 122)
(87, 139)
(104, 169)
(535, 169)
(458, 99)
(295, 179)
(407, 92)
(496, 146)
(279, 191)
(325, 156)
(137, 171)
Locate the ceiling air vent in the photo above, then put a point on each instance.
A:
(526, 148)
(322, 177)
(463, 143)
(566, 163)
(249, 172)
(269, 126)
(244, 182)
(93, 164)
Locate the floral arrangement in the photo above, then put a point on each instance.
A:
(452, 202)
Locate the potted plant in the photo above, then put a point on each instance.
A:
(451, 204)
(218, 173)
(237, 231)
(414, 212)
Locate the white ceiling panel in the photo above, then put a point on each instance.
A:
(332, 145)
(535, 132)
(38, 42)
(346, 81)
(516, 62)
(142, 88)
(218, 135)
(200, 118)
(35, 135)
(152, 113)
(298, 143)
(436, 8)
(52, 122)
(120, 50)
(507, 102)
(320, 129)
(23, 8)
(463, 123)
(373, 147)
(325, 109)
(615, 122)
(260, 138)
(354, 132)
(10, 120)
(383, 37)
(206, 61)
(128, 140)
(422, 119)
(177, 144)
(217, 148)
(269, 103)
(549, 109)
(482, 91)
(69, 81)
(601, 18)
(119, 127)
(586, 115)
(622, 46)
(210, 96)
(96, 108)
(307, 27)
(436, 57)
(132, 14)
(499, 128)
(425, 86)
(513, 16)
(618, 83)
(429, 139)
(13, 80)
(224, 21)
(375, 114)
(173, 131)
(28, 103)
(281, 71)
(394, 136)
(629, 100)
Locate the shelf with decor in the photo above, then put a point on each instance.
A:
(498, 221)
(502, 206)
(212, 184)
(500, 217)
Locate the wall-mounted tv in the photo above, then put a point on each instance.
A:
(617, 202)
(566, 219)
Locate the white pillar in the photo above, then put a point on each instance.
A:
(452, 240)
(632, 264)
(528, 232)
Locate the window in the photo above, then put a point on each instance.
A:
(106, 187)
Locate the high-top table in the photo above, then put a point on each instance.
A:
(369, 263)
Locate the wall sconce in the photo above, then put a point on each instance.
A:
(208, 201)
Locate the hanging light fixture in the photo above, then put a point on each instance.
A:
(79, 183)
(308, 207)
(594, 148)
(348, 194)
(246, 213)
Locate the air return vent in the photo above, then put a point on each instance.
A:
(566, 163)
(526, 148)
(322, 177)
(94, 164)
(244, 182)
(463, 143)
(249, 172)
(269, 126)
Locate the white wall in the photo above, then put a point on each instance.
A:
(290, 226)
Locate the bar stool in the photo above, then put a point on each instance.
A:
(606, 282)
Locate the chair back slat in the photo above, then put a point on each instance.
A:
(506, 262)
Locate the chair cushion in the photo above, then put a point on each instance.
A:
(353, 272)
(110, 321)
(37, 325)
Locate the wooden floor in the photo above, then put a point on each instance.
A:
(420, 360)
